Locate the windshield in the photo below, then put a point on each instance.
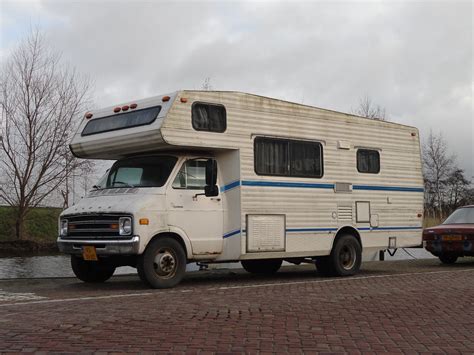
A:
(461, 216)
(150, 171)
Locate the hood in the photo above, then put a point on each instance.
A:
(129, 200)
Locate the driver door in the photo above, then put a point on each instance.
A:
(199, 216)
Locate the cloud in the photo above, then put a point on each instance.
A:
(413, 58)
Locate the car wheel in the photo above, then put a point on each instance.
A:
(163, 264)
(268, 266)
(92, 271)
(344, 260)
(448, 258)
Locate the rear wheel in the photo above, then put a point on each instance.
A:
(448, 258)
(163, 263)
(92, 271)
(344, 260)
(265, 266)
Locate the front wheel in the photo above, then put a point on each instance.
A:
(265, 266)
(344, 260)
(448, 258)
(163, 263)
(92, 271)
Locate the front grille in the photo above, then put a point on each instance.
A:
(94, 226)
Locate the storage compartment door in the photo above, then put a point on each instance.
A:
(266, 233)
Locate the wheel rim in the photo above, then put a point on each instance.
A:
(347, 257)
(165, 263)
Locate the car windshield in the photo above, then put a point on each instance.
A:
(150, 171)
(461, 216)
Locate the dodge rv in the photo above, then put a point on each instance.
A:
(213, 176)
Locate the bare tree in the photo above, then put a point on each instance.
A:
(438, 166)
(39, 98)
(206, 85)
(366, 108)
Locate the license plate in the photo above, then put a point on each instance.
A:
(452, 237)
(88, 253)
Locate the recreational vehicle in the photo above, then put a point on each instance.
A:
(215, 176)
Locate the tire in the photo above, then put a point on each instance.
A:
(92, 271)
(344, 260)
(262, 267)
(163, 264)
(448, 258)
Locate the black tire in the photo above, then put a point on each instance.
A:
(262, 267)
(344, 260)
(92, 271)
(163, 264)
(448, 258)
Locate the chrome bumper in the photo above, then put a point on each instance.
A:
(103, 247)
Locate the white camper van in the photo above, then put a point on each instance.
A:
(215, 176)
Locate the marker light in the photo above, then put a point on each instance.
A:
(165, 98)
(413, 134)
(144, 221)
(125, 108)
(117, 109)
(184, 100)
(88, 115)
(132, 106)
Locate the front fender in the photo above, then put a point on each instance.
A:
(174, 230)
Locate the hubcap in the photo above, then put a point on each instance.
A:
(165, 263)
(347, 257)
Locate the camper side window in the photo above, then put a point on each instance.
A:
(368, 161)
(191, 176)
(209, 117)
(284, 157)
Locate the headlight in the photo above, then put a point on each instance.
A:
(125, 225)
(63, 227)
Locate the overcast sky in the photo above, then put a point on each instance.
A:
(413, 58)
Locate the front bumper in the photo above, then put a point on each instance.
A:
(102, 247)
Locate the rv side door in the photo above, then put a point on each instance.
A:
(189, 209)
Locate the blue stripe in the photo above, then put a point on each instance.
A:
(230, 186)
(287, 184)
(230, 234)
(388, 188)
(389, 228)
(316, 186)
(293, 230)
(296, 230)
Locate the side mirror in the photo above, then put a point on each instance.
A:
(211, 188)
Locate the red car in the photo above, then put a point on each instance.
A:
(453, 238)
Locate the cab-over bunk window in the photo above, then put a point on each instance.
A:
(368, 161)
(121, 121)
(209, 117)
(284, 157)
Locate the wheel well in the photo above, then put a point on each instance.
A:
(348, 230)
(174, 236)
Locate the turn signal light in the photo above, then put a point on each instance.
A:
(144, 221)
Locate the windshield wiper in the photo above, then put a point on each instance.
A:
(123, 183)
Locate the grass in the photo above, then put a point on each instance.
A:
(41, 224)
(431, 221)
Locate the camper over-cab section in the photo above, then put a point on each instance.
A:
(227, 176)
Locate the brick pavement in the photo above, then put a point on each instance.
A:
(431, 311)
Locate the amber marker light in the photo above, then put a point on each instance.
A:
(88, 115)
(165, 98)
(133, 106)
(144, 221)
(413, 134)
(184, 100)
(117, 109)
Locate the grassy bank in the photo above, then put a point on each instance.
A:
(41, 230)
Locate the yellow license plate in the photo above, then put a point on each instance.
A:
(452, 237)
(88, 253)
